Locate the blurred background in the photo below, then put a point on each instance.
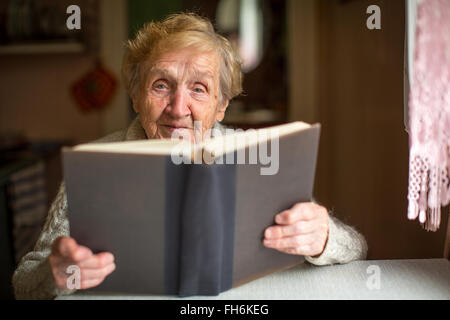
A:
(309, 60)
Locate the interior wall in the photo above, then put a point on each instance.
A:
(362, 173)
(35, 97)
(113, 34)
(303, 59)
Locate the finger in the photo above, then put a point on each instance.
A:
(311, 249)
(300, 211)
(290, 242)
(99, 273)
(86, 284)
(64, 246)
(300, 227)
(81, 253)
(98, 260)
(95, 279)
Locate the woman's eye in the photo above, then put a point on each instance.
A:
(160, 85)
(199, 89)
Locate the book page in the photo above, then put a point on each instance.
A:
(218, 145)
(243, 139)
(154, 146)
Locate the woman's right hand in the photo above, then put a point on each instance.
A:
(94, 268)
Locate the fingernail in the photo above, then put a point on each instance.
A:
(268, 233)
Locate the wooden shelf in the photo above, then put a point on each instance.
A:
(42, 48)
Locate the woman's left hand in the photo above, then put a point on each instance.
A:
(301, 230)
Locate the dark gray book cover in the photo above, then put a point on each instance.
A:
(189, 229)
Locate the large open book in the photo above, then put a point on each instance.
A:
(188, 219)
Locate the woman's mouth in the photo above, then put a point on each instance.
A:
(170, 127)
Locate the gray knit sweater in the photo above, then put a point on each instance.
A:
(33, 278)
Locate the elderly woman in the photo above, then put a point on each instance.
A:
(177, 71)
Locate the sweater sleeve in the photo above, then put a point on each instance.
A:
(344, 245)
(33, 278)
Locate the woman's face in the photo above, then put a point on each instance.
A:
(178, 88)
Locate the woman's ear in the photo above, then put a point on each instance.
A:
(221, 110)
(135, 100)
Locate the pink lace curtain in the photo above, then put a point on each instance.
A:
(429, 122)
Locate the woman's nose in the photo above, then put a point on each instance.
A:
(179, 104)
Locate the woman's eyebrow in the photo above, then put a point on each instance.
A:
(203, 75)
(159, 71)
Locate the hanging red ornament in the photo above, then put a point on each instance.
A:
(95, 89)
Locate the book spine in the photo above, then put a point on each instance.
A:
(200, 221)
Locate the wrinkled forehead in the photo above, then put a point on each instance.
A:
(185, 64)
